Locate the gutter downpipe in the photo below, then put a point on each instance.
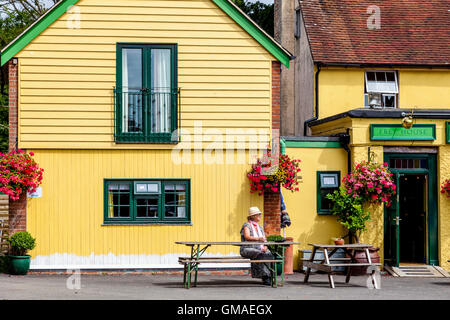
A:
(345, 141)
(316, 90)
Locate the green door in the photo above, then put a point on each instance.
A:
(392, 228)
(402, 165)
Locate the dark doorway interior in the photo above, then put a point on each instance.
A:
(413, 218)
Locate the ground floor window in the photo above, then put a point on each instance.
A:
(147, 201)
(327, 182)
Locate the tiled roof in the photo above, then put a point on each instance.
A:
(411, 32)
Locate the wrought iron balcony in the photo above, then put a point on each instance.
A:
(146, 115)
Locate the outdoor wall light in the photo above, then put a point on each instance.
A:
(15, 61)
(407, 121)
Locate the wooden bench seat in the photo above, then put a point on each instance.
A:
(352, 264)
(191, 266)
(331, 259)
(327, 267)
(224, 260)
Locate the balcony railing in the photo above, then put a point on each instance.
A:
(146, 115)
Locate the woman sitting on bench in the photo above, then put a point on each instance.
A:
(251, 231)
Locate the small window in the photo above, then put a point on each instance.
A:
(381, 89)
(147, 201)
(327, 182)
(298, 26)
(411, 163)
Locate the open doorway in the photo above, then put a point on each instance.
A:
(413, 218)
(411, 222)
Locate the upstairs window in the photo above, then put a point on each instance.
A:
(146, 96)
(381, 89)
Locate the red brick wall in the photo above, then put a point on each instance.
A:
(272, 201)
(18, 215)
(17, 209)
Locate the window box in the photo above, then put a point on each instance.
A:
(146, 96)
(146, 201)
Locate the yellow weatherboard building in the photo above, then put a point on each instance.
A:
(362, 88)
(145, 116)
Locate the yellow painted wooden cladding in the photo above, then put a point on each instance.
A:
(68, 220)
(67, 74)
(342, 89)
(307, 226)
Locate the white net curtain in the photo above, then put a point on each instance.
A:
(159, 98)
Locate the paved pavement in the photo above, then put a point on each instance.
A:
(215, 287)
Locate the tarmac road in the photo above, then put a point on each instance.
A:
(215, 287)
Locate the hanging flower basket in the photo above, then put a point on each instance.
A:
(445, 187)
(270, 173)
(372, 182)
(19, 173)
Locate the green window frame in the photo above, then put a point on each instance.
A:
(139, 111)
(167, 201)
(323, 204)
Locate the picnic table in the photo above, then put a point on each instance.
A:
(349, 262)
(192, 262)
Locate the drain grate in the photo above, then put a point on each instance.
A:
(418, 271)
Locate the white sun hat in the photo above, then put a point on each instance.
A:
(253, 211)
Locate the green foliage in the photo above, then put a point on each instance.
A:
(4, 264)
(12, 23)
(259, 12)
(3, 128)
(20, 243)
(349, 212)
(276, 250)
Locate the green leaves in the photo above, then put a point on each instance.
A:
(20, 243)
(349, 211)
(259, 12)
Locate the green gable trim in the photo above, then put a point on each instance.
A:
(313, 144)
(396, 132)
(254, 31)
(51, 16)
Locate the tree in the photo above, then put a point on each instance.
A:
(15, 17)
(259, 12)
(33, 8)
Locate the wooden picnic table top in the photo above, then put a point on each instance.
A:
(346, 246)
(240, 243)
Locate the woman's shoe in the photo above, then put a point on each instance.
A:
(266, 281)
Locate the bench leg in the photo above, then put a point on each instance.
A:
(349, 273)
(189, 276)
(308, 269)
(327, 260)
(331, 280)
(184, 275)
(196, 272)
(275, 274)
(374, 280)
(282, 268)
